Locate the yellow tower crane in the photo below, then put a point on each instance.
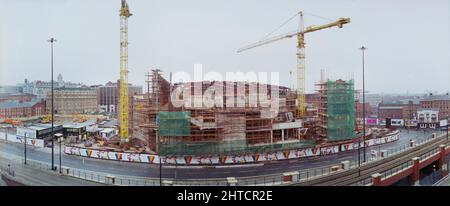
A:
(300, 33)
(124, 15)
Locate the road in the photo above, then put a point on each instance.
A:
(31, 176)
(147, 170)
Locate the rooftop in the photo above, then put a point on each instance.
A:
(17, 104)
(428, 109)
(432, 97)
(42, 126)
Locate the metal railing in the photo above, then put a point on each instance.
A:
(393, 171)
(264, 180)
(7, 170)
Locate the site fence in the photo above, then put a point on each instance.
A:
(235, 159)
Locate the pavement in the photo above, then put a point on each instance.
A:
(149, 170)
(31, 176)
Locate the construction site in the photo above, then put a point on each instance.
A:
(150, 123)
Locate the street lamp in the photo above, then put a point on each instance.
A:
(52, 40)
(25, 148)
(59, 138)
(159, 157)
(364, 112)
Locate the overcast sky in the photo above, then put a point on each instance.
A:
(408, 40)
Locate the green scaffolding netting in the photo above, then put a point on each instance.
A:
(340, 110)
(174, 124)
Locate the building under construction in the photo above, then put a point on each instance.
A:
(196, 129)
(336, 110)
(154, 122)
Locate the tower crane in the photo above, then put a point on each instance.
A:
(123, 107)
(300, 34)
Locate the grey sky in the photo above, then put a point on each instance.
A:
(408, 40)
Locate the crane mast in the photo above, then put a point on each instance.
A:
(301, 69)
(124, 15)
(300, 33)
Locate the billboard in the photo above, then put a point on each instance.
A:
(371, 121)
(397, 122)
(443, 123)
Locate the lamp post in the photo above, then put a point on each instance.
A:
(364, 113)
(52, 40)
(60, 138)
(25, 148)
(159, 157)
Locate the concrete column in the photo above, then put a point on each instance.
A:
(289, 177)
(282, 135)
(335, 169)
(345, 164)
(111, 180)
(416, 171)
(167, 183)
(442, 165)
(383, 153)
(412, 143)
(376, 179)
(232, 181)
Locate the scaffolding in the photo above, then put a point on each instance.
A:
(337, 110)
(174, 124)
(199, 130)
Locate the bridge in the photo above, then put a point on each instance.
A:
(388, 170)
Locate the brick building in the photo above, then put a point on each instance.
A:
(21, 109)
(73, 100)
(405, 109)
(390, 110)
(359, 110)
(439, 102)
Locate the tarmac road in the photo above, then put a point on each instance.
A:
(147, 170)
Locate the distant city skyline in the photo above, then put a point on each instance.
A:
(401, 58)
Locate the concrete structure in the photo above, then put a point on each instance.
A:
(428, 118)
(20, 109)
(74, 100)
